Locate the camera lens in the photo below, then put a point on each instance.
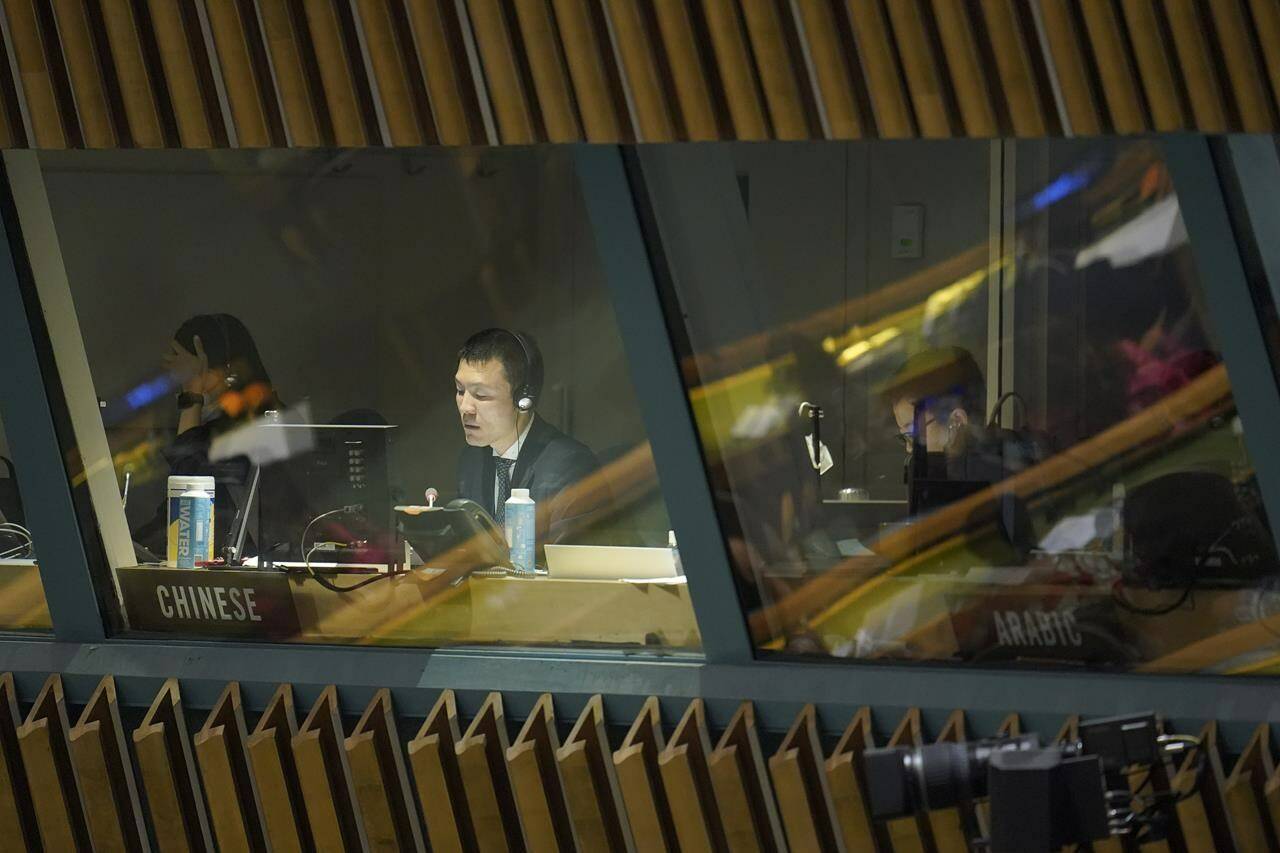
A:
(903, 781)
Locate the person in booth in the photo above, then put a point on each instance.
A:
(496, 386)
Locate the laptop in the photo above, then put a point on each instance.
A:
(611, 562)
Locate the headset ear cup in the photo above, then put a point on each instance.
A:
(524, 403)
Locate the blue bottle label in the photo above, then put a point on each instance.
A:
(520, 534)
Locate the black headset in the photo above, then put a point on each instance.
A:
(524, 396)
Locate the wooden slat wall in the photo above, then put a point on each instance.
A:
(318, 786)
(276, 73)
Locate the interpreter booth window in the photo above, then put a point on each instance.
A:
(22, 603)
(370, 397)
(966, 401)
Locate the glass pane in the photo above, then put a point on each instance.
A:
(1027, 447)
(317, 348)
(22, 604)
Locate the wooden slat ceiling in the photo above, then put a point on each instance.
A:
(274, 73)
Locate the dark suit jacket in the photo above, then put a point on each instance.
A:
(549, 463)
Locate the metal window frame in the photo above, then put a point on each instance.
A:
(727, 676)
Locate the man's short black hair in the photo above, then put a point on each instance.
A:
(504, 345)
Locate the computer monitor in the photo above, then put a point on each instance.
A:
(345, 467)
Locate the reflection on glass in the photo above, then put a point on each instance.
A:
(1016, 444)
(22, 604)
(378, 398)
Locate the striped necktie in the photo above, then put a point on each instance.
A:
(503, 468)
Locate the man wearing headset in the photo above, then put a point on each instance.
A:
(496, 387)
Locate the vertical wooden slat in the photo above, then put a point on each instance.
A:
(502, 74)
(804, 800)
(909, 833)
(1266, 28)
(433, 756)
(1204, 816)
(140, 108)
(407, 118)
(251, 107)
(687, 780)
(298, 101)
(1022, 91)
(337, 75)
(832, 70)
(1196, 64)
(270, 752)
(34, 74)
(174, 798)
(640, 780)
(591, 784)
(1069, 61)
(536, 782)
(1246, 76)
(880, 64)
(85, 73)
(381, 783)
(105, 769)
(1118, 85)
(777, 69)
(689, 78)
(17, 816)
(447, 75)
(599, 93)
(741, 91)
(741, 781)
(1247, 786)
(851, 809)
(182, 77)
(547, 68)
(924, 80)
(1152, 55)
(635, 45)
(482, 761)
(235, 809)
(973, 93)
(55, 793)
(325, 777)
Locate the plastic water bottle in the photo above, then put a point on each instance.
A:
(196, 494)
(520, 519)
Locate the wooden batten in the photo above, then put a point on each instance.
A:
(169, 777)
(482, 760)
(910, 833)
(375, 754)
(804, 799)
(1246, 793)
(235, 809)
(17, 813)
(687, 779)
(846, 779)
(744, 790)
(591, 788)
(270, 753)
(640, 780)
(536, 782)
(51, 776)
(104, 765)
(327, 789)
(433, 757)
(1206, 820)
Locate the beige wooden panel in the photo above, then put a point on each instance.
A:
(685, 775)
(381, 782)
(536, 782)
(851, 810)
(1196, 64)
(964, 61)
(1247, 81)
(235, 809)
(640, 781)
(635, 47)
(1247, 792)
(85, 74)
(777, 69)
(832, 69)
(744, 793)
(804, 799)
(909, 833)
(275, 772)
(180, 74)
(55, 792)
(34, 74)
(693, 89)
(1009, 45)
(884, 80)
(174, 799)
(433, 757)
(1266, 29)
(325, 777)
(591, 789)
(741, 91)
(920, 66)
(547, 67)
(1069, 63)
(17, 818)
(391, 71)
(444, 67)
(336, 75)
(1119, 87)
(482, 761)
(1154, 67)
(1205, 817)
(104, 766)
(231, 35)
(505, 86)
(140, 108)
(285, 48)
(587, 51)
